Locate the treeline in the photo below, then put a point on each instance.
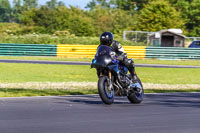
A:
(103, 15)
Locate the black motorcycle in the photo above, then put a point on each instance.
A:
(114, 79)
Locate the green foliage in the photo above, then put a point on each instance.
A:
(104, 15)
(20, 73)
(14, 33)
(114, 20)
(47, 20)
(101, 3)
(120, 4)
(125, 5)
(158, 15)
(51, 3)
(7, 29)
(28, 4)
(5, 11)
(16, 10)
(193, 19)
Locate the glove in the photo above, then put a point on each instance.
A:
(122, 57)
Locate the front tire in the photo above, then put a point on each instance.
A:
(106, 94)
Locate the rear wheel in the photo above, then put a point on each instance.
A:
(136, 95)
(106, 91)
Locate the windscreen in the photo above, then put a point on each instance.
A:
(103, 50)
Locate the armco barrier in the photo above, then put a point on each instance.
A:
(172, 53)
(28, 50)
(88, 51)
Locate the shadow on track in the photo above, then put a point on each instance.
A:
(93, 99)
(163, 99)
(175, 99)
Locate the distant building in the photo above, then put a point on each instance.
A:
(167, 38)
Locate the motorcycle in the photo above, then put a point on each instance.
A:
(114, 79)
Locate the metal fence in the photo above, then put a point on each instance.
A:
(142, 37)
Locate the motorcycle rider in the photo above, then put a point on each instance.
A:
(106, 38)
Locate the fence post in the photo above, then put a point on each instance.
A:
(124, 35)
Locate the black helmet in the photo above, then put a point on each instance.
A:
(106, 38)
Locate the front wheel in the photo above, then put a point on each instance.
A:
(106, 91)
(136, 95)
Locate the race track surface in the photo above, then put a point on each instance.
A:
(89, 63)
(159, 113)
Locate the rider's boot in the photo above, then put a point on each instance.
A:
(131, 67)
(134, 76)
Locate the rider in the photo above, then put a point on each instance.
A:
(106, 38)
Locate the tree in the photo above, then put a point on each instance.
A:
(51, 3)
(54, 3)
(113, 20)
(16, 10)
(60, 3)
(5, 11)
(128, 5)
(125, 5)
(102, 3)
(28, 4)
(158, 15)
(193, 19)
(92, 4)
(47, 20)
(189, 12)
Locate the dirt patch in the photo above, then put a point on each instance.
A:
(49, 85)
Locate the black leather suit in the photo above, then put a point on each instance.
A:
(122, 57)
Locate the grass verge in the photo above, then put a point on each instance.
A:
(23, 73)
(170, 91)
(62, 92)
(46, 92)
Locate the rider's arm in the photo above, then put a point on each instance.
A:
(119, 50)
(117, 47)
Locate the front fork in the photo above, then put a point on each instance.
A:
(109, 79)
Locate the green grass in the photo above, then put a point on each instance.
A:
(20, 73)
(46, 92)
(169, 91)
(60, 92)
(169, 75)
(45, 58)
(168, 62)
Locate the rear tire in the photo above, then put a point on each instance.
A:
(107, 96)
(136, 97)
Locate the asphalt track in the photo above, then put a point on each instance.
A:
(88, 63)
(159, 113)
